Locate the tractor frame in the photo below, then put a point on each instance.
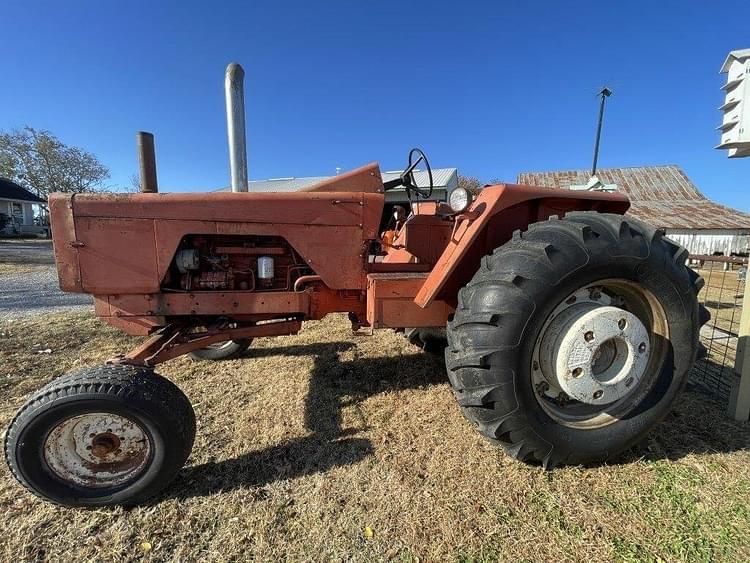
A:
(122, 249)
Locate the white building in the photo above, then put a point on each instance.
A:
(17, 210)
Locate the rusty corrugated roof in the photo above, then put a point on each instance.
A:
(661, 195)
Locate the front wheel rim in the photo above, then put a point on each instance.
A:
(97, 450)
(220, 346)
(599, 353)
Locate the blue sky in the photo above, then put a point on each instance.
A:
(493, 88)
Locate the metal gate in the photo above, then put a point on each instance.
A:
(725, 336)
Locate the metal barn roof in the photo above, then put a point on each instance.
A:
(11, 190)
(282, 184)
(441, 177)
(661, 195)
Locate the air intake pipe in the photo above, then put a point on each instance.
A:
(234, 91)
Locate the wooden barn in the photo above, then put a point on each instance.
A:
(665, 197)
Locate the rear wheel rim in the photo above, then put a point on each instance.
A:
(97, 450)
(599, 353)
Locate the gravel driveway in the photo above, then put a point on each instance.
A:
(34, 292)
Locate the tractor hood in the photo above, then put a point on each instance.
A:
(125, 243)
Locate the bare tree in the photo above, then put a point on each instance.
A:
(42, 163)
(474, 185)
(135, 184)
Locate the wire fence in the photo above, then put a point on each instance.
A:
(722, 295)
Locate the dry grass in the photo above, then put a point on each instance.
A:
(6, 268)
(310, 440)
(15, 257)
(26, 240)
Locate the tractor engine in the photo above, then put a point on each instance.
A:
(235, 263)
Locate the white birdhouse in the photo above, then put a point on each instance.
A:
(735, 125)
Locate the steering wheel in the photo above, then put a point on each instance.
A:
(407, 180)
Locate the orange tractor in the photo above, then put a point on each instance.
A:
(570, 327)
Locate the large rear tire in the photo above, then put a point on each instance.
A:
(523, 355)
(108, 435)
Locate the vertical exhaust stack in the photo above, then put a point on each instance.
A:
(147, 162)
(234, 91)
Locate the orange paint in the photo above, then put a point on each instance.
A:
(121, 248)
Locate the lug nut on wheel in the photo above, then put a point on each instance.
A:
(594, 353)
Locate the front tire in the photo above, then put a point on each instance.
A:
(518, 317)
(429, 339)
(108, 435)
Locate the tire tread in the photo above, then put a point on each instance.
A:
(124, 382)
(508, 279)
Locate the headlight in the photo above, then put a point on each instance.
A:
(460, 200)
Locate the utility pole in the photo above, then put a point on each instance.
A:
(604, 93)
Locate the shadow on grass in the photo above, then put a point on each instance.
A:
(294, 458)
(333, 385)
(697, 423)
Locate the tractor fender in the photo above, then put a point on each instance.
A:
(491, 220)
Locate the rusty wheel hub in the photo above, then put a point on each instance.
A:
(97, 450)
(595, 353)
(598, 353)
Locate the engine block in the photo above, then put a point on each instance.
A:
(237, 263)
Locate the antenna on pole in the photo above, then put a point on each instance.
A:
(594, 184)
(604, 93)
